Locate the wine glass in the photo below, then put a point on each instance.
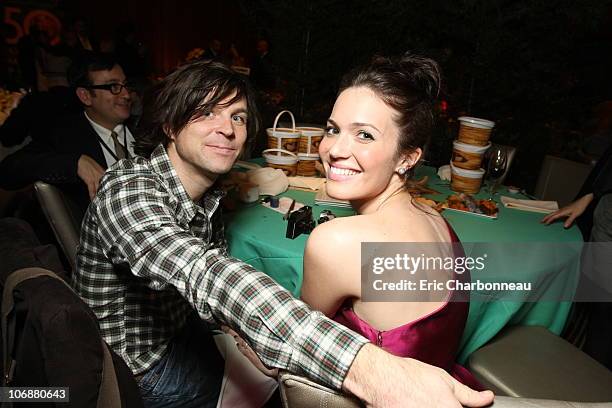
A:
(496, 167)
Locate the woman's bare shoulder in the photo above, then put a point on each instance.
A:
(331, 266)
(340, 233)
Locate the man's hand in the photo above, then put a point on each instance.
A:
(571, 211)
(90, 172)
(383, 380)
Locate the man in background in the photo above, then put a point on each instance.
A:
(79, 147)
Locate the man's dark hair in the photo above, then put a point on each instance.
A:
(86, 62)
(187, 94)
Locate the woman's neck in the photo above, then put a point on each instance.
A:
(372, 205)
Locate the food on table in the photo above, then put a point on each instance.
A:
(488, 207)
(457, 202)
(462, 202)
(466, 202)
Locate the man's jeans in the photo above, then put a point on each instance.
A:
(190, 373)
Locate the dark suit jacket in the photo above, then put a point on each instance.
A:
(599, 182)
(56, 336)
(54, 159)
(46, 107)
(264, 73)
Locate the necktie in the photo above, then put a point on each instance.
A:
(120, 150)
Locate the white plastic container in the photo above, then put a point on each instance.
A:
(466, 181)
(287, 162)
(467, 156)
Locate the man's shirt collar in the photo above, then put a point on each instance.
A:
(162, 165)
(102, 131)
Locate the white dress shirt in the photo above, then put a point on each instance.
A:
(105, 135)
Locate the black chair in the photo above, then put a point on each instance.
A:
(63, 217)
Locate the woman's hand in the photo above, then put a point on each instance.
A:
(248, 352)
(571, 211)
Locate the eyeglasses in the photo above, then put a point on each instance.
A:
(114, 88)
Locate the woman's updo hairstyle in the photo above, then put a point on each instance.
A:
(410, 85)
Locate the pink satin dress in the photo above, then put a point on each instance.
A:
(433, 338)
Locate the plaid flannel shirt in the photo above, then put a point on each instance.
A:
(149, 256)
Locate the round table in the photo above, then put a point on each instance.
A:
(256, 235)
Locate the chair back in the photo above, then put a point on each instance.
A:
(561, 179)
(62, 216)
(35, 298)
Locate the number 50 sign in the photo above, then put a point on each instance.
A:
(42, 20)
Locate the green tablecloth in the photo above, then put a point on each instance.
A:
(256, 235)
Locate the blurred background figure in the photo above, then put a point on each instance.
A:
(213, 51)
(592, 211)
(27, 47)
(599, 136)
(234, 58)
(53, 60)
(85, 40)
(272, 93)
(264, 72)
(131, 52)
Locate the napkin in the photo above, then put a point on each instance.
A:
(309, 183)
(530, 205)
(321, 198)
(269, 181)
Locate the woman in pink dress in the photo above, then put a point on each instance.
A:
(380, 124)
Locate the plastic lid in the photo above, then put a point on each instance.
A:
(470, 148)
(468, 173)
(311, 131)
(477, 122)
(306, 156)
(283, 132)
(290, 158)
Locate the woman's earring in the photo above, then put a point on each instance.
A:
(401, 171)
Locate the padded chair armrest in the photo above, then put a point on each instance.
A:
(299, 392)
(531, 362)
(511, 402)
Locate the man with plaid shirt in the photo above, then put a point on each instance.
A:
(153, 266)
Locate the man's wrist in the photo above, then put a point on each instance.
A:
(324, 350)
(362, 374)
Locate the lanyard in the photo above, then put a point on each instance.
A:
(108, 149)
